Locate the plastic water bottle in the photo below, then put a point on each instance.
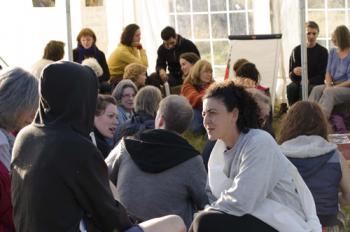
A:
(167, 88)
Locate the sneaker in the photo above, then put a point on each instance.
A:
(338, 124)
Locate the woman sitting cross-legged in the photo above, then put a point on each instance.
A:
(304, 140)
(336, 89)
(251, 185)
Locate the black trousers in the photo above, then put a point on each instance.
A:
(294, 92)
(216, 221)
(154, 79)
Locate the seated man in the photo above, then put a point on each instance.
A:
(168, 58)
(317, 57)
(160, 173)
(58, 175)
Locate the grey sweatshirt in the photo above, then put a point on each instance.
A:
(258, 170)
(178, 190)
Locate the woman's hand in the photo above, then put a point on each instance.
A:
(136, 45)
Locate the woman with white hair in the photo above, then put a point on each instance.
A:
(19, 98)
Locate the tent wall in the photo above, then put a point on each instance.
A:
(26, 30)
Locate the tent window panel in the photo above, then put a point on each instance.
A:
(171, 6)
(218, 5)
(330, 43)
(204, 49)
(221, 50)
(240, 5)
(184, 25)
(336, 4)
(238, 24)
(219, 73)
(219, 25)
(200, 5)
(335, 18)
(183, 6)
(315, 3)
(172, 20)
(250, 23)
(322, 42)
(201, 26)
(319, 18)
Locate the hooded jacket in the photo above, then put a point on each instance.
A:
(58, 175)
(317, 161)
(158, 174)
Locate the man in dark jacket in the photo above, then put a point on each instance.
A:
(58, 175)
(168, 57)
(317, 57)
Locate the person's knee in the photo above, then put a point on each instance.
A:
(202, 222)
(176, 223)
(292, 87)
(329, 92)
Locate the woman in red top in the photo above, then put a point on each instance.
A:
(193, 88)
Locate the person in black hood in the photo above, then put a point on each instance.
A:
(58, 175)
(159, 172)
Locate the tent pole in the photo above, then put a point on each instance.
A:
(69, 31)
(304, 72)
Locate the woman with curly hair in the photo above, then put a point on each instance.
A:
(137, 73)
(251, 185)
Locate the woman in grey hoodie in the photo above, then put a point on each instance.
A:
(251, 185)
(304, 140)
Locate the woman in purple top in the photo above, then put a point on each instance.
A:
(337, 80)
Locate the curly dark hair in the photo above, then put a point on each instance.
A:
(128, 34)
(234, 96)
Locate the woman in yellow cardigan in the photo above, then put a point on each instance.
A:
(128, 51)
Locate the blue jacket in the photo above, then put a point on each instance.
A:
(318, 163)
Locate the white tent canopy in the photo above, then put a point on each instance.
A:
(27, 29)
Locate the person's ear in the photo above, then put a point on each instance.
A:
(235, 114)
(161, 122)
